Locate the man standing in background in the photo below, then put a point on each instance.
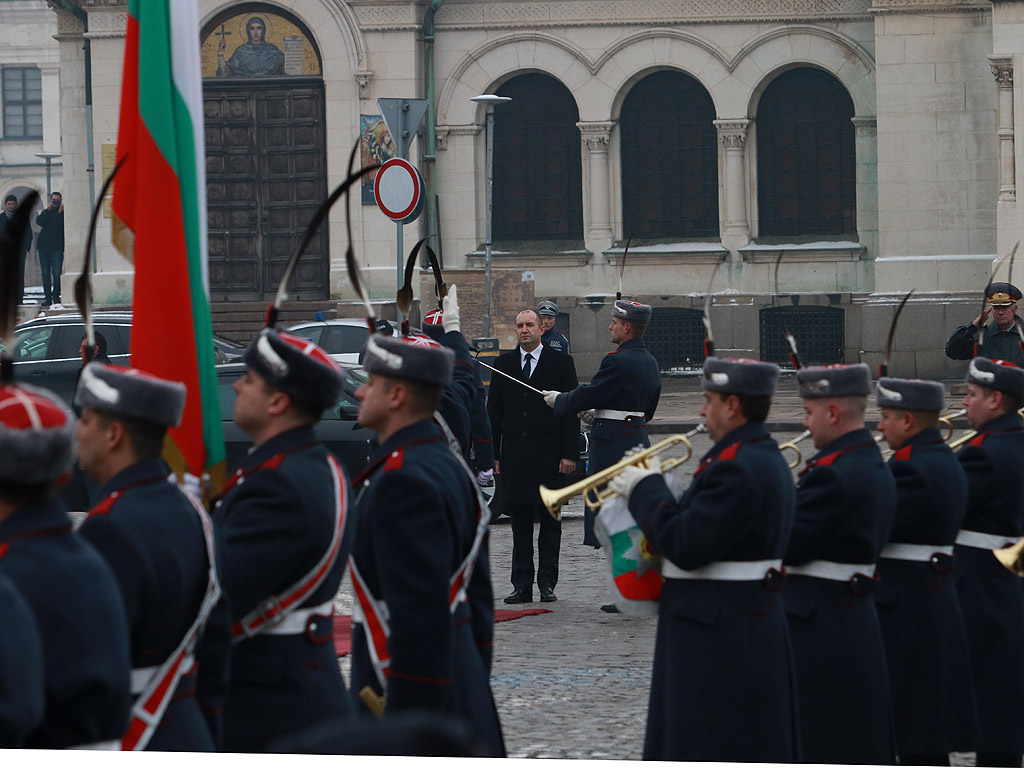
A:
(50, 246)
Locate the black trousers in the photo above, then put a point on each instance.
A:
(548, 541)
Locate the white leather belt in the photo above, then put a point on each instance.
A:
(113, 744)
(142, 675)
(295, 622)
(984, 540)
(826, 569)
(919, 553)
(735, 570)
(607, 413)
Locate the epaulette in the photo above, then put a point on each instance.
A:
(395, 460)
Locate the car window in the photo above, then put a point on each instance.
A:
(117, 338)
(311, 332)
(226, 393)
(32, 344)
(67, 344)
(344, 339)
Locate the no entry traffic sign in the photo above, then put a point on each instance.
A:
(398, 189)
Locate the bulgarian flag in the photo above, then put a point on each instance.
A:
(160, 199)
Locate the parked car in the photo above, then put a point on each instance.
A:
(47, 349)
(337, 428)
(342, 338)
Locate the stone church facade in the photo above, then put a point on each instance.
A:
(818, 158)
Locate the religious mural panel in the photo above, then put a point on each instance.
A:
(258, 43)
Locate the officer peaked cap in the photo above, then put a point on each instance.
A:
(37, 435)
(997, 374)
(416, 357)
(910, 394)
(297, 367)
(1001, 294)
(834, 381)
(740, 376)
(131, 394)
(547, 308)
(632, 311)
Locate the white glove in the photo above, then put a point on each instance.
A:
(450, 308)
(587, 417)
(484, 477)
(624, 482)
(549, 397)
(188, 483)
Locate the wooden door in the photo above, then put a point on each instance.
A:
(265, 177)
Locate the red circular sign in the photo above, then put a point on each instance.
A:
(398, 189)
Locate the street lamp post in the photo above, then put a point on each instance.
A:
(48, 157)
(489, 100)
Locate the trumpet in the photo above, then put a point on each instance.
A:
(792, 445)
(947, 422)
(1012, 557)
(594, 496)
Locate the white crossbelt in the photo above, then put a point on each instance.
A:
(142, 675)
(918, 553)
(984, 540)
(736, 570)
(826, 569)
(113, 744)
(607, 413)
(295, 622)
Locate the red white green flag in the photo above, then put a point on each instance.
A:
(160, 198)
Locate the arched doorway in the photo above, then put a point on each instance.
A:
(263, 97)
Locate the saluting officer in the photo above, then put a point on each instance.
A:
(283, 536)
(1001, 339)
(69, 587)
(722, 682)
(845, 501)
(548, 313)
(990, 596)
(158, 541)
(424, 629)
(623, 394)
(918, 607)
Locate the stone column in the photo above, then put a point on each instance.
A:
(596, 216)
(865, 132)
(733, 178)
(1002, 68)
(50, 77)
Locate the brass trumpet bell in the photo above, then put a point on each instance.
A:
(590, 487)
(793, 445)
(1012, 557)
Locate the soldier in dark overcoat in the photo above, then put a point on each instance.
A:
(22, 677)
(623, 394)
(722, 686)
(423, 629)
(283, 537)
(534, 449)
(68, 585)
(845, 502)
(990, 596)
(918, 607)
(158, 541)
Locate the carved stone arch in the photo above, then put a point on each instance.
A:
(485, 67)
(323, 18)
(674, 49)
(765, 57)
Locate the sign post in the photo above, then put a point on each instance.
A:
(402, 118)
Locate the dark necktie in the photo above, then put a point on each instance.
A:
(526, 367)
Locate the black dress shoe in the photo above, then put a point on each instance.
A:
(547, 595)
(519, 596)
(610, 608)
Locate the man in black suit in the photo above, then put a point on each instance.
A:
(532, 448)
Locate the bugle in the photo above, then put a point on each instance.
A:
(1012, 557)
(793, 445)
(947, 422)
(594, 495)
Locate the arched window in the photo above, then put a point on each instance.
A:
(538, 182)
(669, 158)
(806, 167)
